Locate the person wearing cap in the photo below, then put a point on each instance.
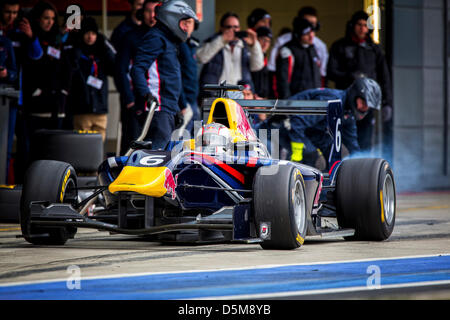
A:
(309, 134)
(91, 62)
(259, 18)
(126, 52)
(230, 55)
(357, 55)
(261, 78)
(298, 63)
(310, 14)
(156, 72)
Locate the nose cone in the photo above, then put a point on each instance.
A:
(152, 182)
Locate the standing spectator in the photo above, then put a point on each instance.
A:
(297, 63)
(355, 56)
(18, 30)
(261, 79)
(189, 93)
(310, 14)
(130, 22)
(45, 84)
(126, 52)
(259, 18)
(156, 71)
(92, 60)
(226, 57)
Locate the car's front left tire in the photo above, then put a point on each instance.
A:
(54, 182)
(280, 206)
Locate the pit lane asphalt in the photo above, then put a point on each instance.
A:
(412, 262)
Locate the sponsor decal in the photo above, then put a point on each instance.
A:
(264, 230)
(170, 184)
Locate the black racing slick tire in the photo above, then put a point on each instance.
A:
(83, 150)
(54, 182)
(280, 207)
(10, 203)
(365, 198)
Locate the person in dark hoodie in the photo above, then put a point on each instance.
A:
(92, 60)
(45, 83)
(156, 72)
(126, 53)
(357, 55)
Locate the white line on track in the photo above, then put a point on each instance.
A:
(257, 267)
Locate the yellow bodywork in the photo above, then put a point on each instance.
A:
(144, 180)
(230, 107)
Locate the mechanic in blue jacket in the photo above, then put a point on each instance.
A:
(309, 133)
(156, 71)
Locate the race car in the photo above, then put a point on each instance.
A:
(222, 185)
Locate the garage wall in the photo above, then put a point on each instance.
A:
(419, 90)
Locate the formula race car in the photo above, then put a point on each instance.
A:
(223, 185)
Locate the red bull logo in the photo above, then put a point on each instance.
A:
(170, 184)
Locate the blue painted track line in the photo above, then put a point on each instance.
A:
(255, 281)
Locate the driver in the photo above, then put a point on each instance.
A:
(213, 138)
(309, 133)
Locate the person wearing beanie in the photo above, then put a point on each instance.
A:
(259, 18)
(310, 14)
(298, 62)
(91, 62)
(357, 55)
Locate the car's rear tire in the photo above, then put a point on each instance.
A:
(280, 207)
(52, 181)
(365, 196)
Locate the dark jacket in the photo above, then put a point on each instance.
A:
(44, 79)
(297, 69)
(126, 53)
(24, 48)
(212, 70)
(7, 61)
(262, 81)
(188, 64)
(350, 59)
(156, 69)
(121, 30)
(90, 61)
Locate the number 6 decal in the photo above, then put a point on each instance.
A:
(152, 160)
(338, 137)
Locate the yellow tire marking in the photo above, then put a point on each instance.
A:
(300, 239)
(10, 229)
(61, 197)
(7, 186)
(382, 206)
